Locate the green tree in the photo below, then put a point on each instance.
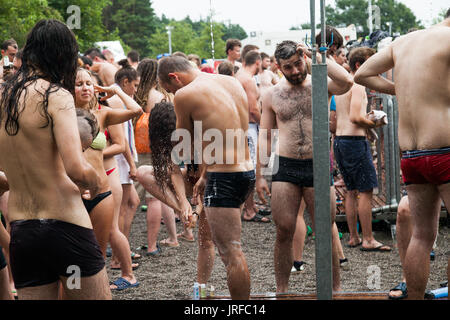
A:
(182, 38)
(355, 12)
(233, 31)
(202, 45)
(91, 27)
(134, 20)
(18, 18)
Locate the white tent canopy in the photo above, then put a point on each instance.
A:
(114, 46)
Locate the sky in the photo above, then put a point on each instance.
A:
(272, 15)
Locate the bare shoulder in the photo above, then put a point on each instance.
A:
(60, 99)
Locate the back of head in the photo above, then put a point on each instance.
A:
(148, 72)
(172, 64)
(51, 53)
(226, 68)
(247, 48)
(285, 50)
(332, 37)
(359, 56)
(87, 126)
(251, 58)
(180, 54)
(133, 55)
(93, 53)
(231, 44)
(126, 72)
(195, 58)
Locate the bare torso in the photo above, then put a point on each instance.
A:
(345, 127)
(251, 89)
(422, 86)
(220, 104)
(293, 110)
(39, 185)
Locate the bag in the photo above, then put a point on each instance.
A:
(141, 137)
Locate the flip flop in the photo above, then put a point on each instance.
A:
(155, 253)
(400, 287)
(122, 284)
(377, 249)
(184, 238)
(257, 218)
(135, 256)
(168, 244)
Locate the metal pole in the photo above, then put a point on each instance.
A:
(169, 32)
(321, 165)
(370, 17)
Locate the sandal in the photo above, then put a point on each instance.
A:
(122, 284)
(166, 243)
(400, 287)
(257, 218)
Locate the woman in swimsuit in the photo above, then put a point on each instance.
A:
(101, 155)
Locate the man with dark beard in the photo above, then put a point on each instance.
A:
(287, 106)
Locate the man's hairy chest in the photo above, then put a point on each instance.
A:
(292, 104)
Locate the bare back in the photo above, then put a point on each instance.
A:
(345, 127)
(219, 103)
(39, 185)
(292, 107)
(422, 86)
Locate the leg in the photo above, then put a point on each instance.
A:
(130, 202)
(351, 205)
(285, 203)
(300, 234)
(424, 203)
(169, 221)
(225, 224)
(46, 292)
(91, 288)
(102, 218)
(206, 250)
(365, 217)
(153, 223)
(5, 289)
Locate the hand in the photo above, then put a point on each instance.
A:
(133, 173)
(199, 190)
(186, 213)
(303, 48)
(261, 188)
(110, 91)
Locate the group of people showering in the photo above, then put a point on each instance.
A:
(68, 153)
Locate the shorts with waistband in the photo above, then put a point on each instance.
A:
(354, 160)
(41, 252)
(228, 189)
(296, 171)
(426, 166)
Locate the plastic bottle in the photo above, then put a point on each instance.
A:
(203, 290)
(211, 291)
(196, 291)
(440, 293)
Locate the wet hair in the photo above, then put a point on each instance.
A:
(161, 124)
(126, 72)
(447, 15)
(360, 55)
(180, 54)
(50, 53)
(231, 43)
(236, 69)
(133, 55)
(87, 125)
(251, 58)
(285, 50)
(148, 72)
(94, 52)
(86, 60)
(332, 37)
(9, 43)
(247, 48)
(226, 68)
(172, 64)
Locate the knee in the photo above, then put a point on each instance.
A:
(141, 173)
(403, 214)
(285, 233)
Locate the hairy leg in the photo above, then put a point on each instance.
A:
(285, 203)
(351, 212)
(206, 250)
(424, 204)
(5, 289)
(225, 224)
(45, 292)
(300, 234)
(95, 287)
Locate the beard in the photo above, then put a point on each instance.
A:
(298, 79)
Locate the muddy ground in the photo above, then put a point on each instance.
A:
(171, 276)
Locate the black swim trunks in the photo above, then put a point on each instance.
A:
(91, 204)
(228, 189)
(296, 171)
(41, 251)
(354, 159)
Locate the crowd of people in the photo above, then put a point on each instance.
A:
(85, 141)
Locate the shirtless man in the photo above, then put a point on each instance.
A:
(287, 106)
(105, 70)
(246, 76)
(218, 102)
(233, 51)
(422, 87)
(266, 77)
(354, 158)
(41, 154)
